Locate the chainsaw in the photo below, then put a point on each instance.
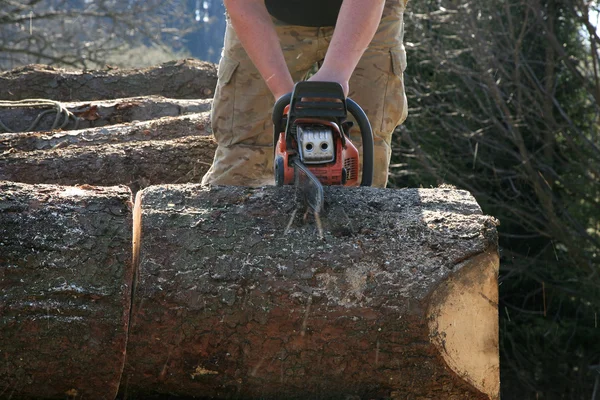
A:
(312, 142)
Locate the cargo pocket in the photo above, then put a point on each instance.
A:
(227, 67)
(224, 101)
(398, 61)
(395, 106)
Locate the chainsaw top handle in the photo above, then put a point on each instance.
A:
(324, 100)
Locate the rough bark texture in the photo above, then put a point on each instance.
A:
(65, 285)
(98, 113)
(163, 128)
(184, 79)
(232, 304)
(135, 164)
(234, 298)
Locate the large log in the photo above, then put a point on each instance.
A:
(398, 300)
(82, 115)
(65, 282)
(162, 128)
(135, 164)
(183, 79)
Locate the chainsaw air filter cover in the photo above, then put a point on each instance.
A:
(315, 144)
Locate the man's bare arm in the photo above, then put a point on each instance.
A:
(254, 28)
(356, 25)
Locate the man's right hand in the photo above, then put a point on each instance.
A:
(325, 75)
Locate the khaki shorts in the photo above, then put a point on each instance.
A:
(241, 112)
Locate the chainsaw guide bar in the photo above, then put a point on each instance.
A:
(308, 185)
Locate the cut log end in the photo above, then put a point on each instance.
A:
(463, 322)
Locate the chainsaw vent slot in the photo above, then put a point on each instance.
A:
(351, 168)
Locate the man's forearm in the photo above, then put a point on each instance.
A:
(254, 28)
(356, 25)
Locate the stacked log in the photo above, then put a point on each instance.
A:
(398, 300)
(65, 281)
(35, 116)
(136, 164)
(182, 79)
(157, 129)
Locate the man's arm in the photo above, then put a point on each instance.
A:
(356, 25)
(254, 28)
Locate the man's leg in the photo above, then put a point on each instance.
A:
(377, 85)
(241, 113)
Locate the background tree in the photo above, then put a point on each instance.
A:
(504, 101)
(206, 42)
(85, 34)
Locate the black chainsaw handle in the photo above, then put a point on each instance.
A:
(363, 124)
(367, 141)
(278, 110)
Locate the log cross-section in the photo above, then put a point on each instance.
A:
(233, 301)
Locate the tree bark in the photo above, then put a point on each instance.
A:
(183, 79)
(85, 115)
(135, 164)
(66, 278)
(398, 299)
(158, 129)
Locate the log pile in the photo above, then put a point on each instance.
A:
(224, 292)
(232, 299)
(105, 139)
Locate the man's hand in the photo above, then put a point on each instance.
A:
(254, 28)
(327, 75)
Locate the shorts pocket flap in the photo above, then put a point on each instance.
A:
(398, 61)
(227, 67)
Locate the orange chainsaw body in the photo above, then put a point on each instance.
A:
(311, 142)
(343, 170)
